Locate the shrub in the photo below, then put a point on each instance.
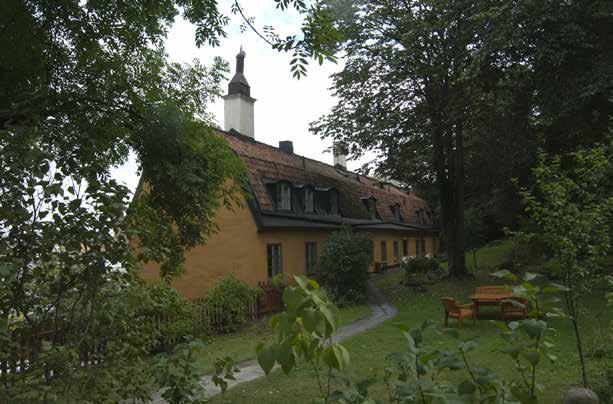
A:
(231, 297)
(418, 270)
(172, 312)
(343, 265)
(527, 250)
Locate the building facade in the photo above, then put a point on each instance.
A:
(293, 203)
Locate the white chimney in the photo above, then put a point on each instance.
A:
(238, 104)
(340, 159)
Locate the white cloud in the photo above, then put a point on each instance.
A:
(285, 106)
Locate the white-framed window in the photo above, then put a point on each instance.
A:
(309, 205)
(275, 266)
(333, 201)
(397, 216)
(372, 208)
(311, 257)
(284, 196)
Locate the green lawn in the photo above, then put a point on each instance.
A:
(368, 351)
(488, 257)
(240, 346)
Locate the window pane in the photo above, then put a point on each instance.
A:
(311, 257)
(308, 200)
(279, 268)
(417, 247)
(372, 208)
(383, 251)
(396, 253)
(405, 248)
(284, 197)
(333, 202)
(274, 259)
(269, 260)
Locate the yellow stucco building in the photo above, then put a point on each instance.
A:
(292, 205)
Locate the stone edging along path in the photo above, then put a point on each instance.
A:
(250, 370)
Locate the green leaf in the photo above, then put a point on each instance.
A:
(311, 319)
(266, 357)
(555, 288)
(411, 346)
(294, 299)
(504, 274)
(466, 388)
(532, 356)
(336, 356)
(331, 320)
(305, 282)
(286, 357)
(530, 276)
(533, 327)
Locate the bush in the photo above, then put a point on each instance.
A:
(343, 265)
(527, 250)
(232, 298)
(419, 270)
(173, 313)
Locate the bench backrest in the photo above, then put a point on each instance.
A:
(450, 305)
(493, 290)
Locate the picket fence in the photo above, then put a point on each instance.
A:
(213, 318)
(206, 317)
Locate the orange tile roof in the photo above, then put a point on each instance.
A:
(266, 161)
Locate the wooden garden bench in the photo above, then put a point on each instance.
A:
(457, 311)
(490, 296)
(515, 308)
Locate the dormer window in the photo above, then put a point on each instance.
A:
(396, 211)
(418, 214)
(284, 196)
(309, 200)
(371, 207)
(333, 202)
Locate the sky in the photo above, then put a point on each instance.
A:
(285, 106)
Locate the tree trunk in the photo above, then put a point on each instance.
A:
(457, 254)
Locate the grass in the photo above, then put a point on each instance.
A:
(240, 346)
(489, 256)
(369, 350)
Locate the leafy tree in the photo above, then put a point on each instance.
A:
(86, 83)
(316, 39)
(572, 205)
(423, 78)
(407, 90)
(343, 265)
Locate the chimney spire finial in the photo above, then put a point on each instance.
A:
(238, 104)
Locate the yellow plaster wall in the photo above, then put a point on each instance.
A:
(389, 237)
(238, 248)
